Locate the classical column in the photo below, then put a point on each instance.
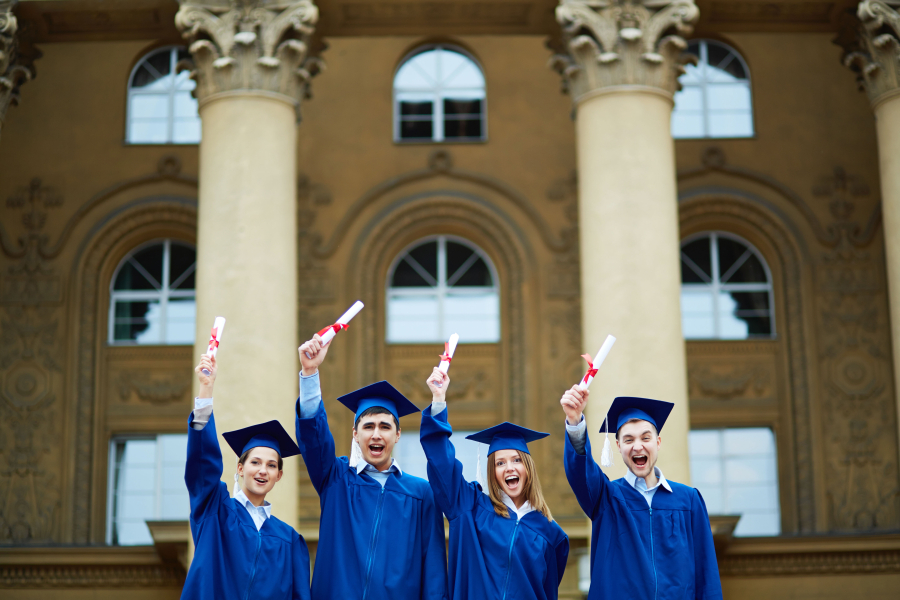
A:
(874, 53)
(15, 69)
(621, 72)
(252, 68)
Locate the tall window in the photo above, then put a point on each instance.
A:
(146, 483)
(442, 286)
(715, 100)
(726, 289)
(439, 96)
(161, 109)
(152, 295)
(737, 472)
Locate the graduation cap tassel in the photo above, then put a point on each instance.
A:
(237, 485)
(478, 468)
(355, 453)
(606, 455)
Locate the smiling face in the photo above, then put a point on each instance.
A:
(639, 445)
(259, 472)
(376, 435)
(510, 473)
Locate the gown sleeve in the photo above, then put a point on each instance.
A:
(562, 558)
(706, 569)
(317, 447)
(452, 492)
(203, 471)
(434, 568)
(300, 558)
(586, 479)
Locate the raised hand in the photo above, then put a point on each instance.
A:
(312, 353)
(438, 382)
(206, 381)
(573, 402)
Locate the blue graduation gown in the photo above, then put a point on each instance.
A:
(639, 552)
(491, 557)
(232, 559)
(375, 543)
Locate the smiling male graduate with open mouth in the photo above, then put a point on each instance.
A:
(381, 536)
(651, 537)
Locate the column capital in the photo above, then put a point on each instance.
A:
(259, 45)
(635, 43)
(15, 67)
(874, 52)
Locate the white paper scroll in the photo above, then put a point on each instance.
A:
(329, 332)
(449, 349)
(215, 338)
(598, 360)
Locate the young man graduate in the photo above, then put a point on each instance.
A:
(242, 551)
(381, 537)
(651, 538)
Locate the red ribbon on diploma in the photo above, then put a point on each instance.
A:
(446, 355)
(592, 372)
(213, 340)
(337, 328)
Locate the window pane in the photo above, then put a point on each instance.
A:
(132, 533)
(406, 276)
(464, 128)
(412, 130)
(130, 278)
(723, 63)
(426, 256)
(477, 275)
(730, 125)
(413, 319)
(422, 108)
(730, 251)
(690, 98)
(749, 441)
(180, 321)
(412, 458)
(149, 106)
(462, 107)
(758, 524)
(697, 317)
(751, 271)
(704, 443)
(698, 252)
(148, 131)
(181, 258)
(457, 256)
(137, 321)
(475, 317)
(464, 76)
(185, 105)
(151, 260)
(733, 96)
(186, 131)
(706, 470)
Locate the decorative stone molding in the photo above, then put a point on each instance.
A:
(623, 43)
(874, 53)
(14, 68)
(259, 45)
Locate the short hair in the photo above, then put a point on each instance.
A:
(632, 421)
(246, 455)
(376, 410)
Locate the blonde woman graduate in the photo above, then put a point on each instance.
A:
(504, 544)
(242, 551)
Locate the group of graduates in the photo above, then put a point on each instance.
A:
(381, 533)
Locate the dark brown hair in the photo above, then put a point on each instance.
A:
(246, 455)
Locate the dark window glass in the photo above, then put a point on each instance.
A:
(129, 278)
(153, 68)
(757, 326)
(151, 259)
(406, 276)
(131, 319)
(462, 107)
(697, 252)
(724, 59)
(750, 271)
(426, 256)
(730, 252)
(413, 130)
(418, 109)
(466, 128)
(457, 255)
(182, 259)
(748, 302)
(477, 275)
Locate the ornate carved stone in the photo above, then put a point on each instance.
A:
(623, 42)
(15, 67)
(874, 52)
(250, 45)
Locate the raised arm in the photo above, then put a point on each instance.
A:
(452, 492)
(586, 479)
(203, 468)
(313, 435)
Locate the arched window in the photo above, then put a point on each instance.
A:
(440, 286)
(726, 289)
(715, 100)
(161, 109)
(152, 295)
(439, 96)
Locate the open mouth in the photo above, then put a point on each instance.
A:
(640, 460)
(512, 482)
(376, 450)
(260, 480)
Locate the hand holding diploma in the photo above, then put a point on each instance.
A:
(594, 365)
(214, 338)
(328, 333)
(312, 353)
(447, 356)
(438, 382)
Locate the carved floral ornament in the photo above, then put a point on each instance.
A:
(13, 71)
(250, 45)
(875, 53)
(623, 42)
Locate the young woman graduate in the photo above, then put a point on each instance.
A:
(242, 551)
(649, 536)
(381, 537)
(503, 544)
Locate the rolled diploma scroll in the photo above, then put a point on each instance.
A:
(598, 360)
(451, 348)
(343, 320)
(215, 339)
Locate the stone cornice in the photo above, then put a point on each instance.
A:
(623, 42)
(874, 53)
(14, 70)
(258, 45)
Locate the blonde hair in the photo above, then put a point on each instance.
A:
(532, 489)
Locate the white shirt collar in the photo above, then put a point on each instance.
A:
(632, 480)
(521, 511)
(241, 497)
(364, 466)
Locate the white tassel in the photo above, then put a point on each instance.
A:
(606, 455)
(478, 468)
(237, 486)
(355, 453)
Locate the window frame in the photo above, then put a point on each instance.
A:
(703, 59)
(163, 295)
(171, 93)
(437, 116)
(715, 287)
(440, 290)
